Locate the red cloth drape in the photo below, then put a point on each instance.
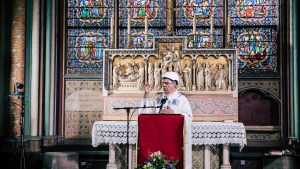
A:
(161, 132)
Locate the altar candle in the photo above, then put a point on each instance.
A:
(194, 24)
(211, 24)
(128, 24)
(112, 25)
(146, 25)
(229, 25)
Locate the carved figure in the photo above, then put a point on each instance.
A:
(129, 71)
(151, 75)
(208, 76)
(177, 64)
(135, 69)
(200, 76)
(156, 76)
(168, 62)
(187, 74)
(116, 75)
(140, 76)
(181, 83)
(221, 78)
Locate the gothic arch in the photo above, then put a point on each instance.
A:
(259, 107)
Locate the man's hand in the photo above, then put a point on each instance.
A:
(147, 89)
(167, 110)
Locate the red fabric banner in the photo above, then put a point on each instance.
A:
(161, 132)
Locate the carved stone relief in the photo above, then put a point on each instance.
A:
(203, 75)
(208, 77)
(198, 69)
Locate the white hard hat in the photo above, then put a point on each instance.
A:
(172, 76)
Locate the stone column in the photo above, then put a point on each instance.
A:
(53, 88)
(226, 162)
(130, 158)
(230, 74)
(110, 68)
(207, 157)
(194, 75)
(35, 62)
(295, 63)
(146, 80)
(17, 44)
(111, 158)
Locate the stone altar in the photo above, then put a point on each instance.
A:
(208, 77)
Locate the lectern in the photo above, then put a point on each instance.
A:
(161, 132)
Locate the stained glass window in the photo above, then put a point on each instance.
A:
(257, 49)
(208, 20)
(87, 34)
(253, 29)
(137, 10)
(254, 33)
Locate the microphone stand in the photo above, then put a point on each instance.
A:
(128, 121)
(163, 101)
(22, 150)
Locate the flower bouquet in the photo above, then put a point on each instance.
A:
(157, 161)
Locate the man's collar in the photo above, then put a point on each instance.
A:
(172, 95)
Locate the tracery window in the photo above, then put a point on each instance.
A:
(141, 18)
(208, 21)
(87, 34)
(254, 33)
(252, 29)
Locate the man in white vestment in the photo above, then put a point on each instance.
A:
(174, 103)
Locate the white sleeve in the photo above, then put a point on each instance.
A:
(186, 109)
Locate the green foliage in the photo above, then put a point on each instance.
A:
(157, 161)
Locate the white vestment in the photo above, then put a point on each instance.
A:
(180, 105)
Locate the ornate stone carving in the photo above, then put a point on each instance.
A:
(157, 77)
(151, 75)
(129, 75)
(221, 78)
(116, 76)
(200, 70)
(272, 86)
(200, 76)
(187, 73)
(140, 76)
(208, 77)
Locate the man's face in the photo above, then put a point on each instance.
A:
(169, 86)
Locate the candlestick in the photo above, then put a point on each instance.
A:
(128, 24)
(211, 24)
(229, 25)
(112, 25)
(146, 24)
(194, 24)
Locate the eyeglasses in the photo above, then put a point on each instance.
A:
(166, 83)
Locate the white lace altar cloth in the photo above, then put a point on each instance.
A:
(203, 133)
(213, 133)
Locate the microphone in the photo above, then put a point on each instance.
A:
(163, 101)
